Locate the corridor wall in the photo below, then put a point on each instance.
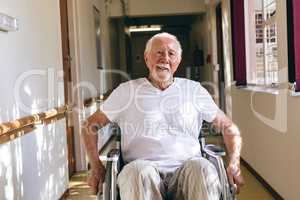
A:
(268, 120)
(33, 166)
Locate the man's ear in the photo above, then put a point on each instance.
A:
(145, 57)
(179, 59)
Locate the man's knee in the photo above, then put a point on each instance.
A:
(139, 180)
(138, 170)
(201, 168)
(200, 165)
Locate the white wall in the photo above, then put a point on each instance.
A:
(269, 122)
(156, 7)
(91, 80)
(85, 38)
(86, 76)
(83, 47)
(270, 135)
(33, 166)
(203, 33)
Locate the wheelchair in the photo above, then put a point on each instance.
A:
(110, 156)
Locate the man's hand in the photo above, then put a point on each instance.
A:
(235, 176)
(233, 142)
(90, 138)
(96, 179)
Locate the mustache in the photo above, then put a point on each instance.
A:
(163, 66)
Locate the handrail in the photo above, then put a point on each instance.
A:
(11, 130)
(16, 128)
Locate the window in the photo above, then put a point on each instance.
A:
(293, 22)
(261, 42)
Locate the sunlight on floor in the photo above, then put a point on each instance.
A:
(79, 190)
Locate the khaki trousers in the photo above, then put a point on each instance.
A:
(196, 179)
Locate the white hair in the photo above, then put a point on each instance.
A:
(163, 35)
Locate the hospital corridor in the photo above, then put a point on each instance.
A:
(149, 100)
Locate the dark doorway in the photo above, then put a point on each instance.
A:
(221, 75)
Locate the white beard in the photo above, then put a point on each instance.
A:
(162, 73)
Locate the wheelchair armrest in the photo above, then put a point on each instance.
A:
(112, 160)
(113, 155)
(214, 150)
(214, 154)
(110, 156)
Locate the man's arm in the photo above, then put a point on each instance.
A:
(90, 137)
(233, 142)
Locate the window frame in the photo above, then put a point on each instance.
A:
(269, 77)
(240, 68)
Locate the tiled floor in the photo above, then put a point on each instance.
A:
(78, 189)
(251, 191)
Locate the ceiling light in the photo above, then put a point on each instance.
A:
(144, 28)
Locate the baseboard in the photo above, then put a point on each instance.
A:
(64, 195)
(273, 192)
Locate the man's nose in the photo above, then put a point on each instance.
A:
(165, 56)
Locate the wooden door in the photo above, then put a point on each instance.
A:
(67, 83)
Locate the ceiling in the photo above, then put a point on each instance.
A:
(178, 20)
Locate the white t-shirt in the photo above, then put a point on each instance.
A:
(160, 126)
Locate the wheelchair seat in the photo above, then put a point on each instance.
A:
(110, 155)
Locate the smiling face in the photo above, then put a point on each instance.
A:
(163, 58)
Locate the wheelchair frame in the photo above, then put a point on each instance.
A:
(110, 155)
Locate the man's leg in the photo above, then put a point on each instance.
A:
(197, 179)
(139, 180)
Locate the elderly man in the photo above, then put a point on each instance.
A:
(160, 118)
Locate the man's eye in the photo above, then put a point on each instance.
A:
(159, 52)
(172, 53)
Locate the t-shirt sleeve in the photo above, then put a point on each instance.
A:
(205, 104)
(116, 103)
